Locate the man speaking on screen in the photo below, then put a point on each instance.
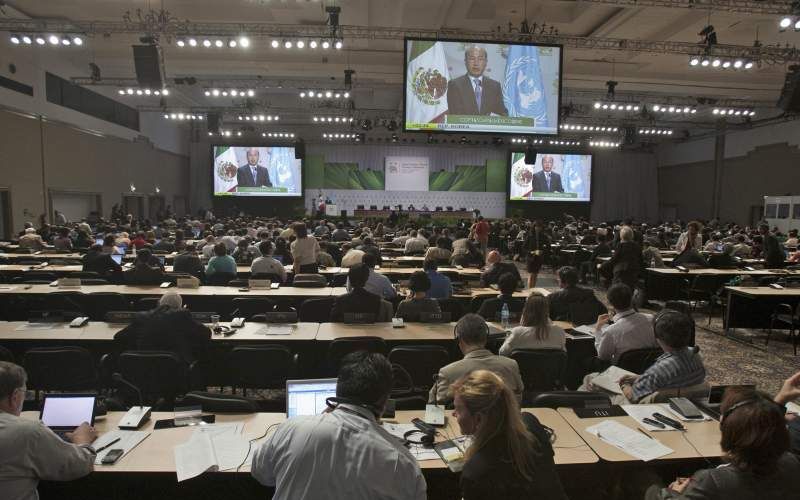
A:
(474, 93)
(545, 180)
(252, 174)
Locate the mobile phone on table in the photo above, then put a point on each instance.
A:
(112, 456)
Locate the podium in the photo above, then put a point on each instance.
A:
(331, 210)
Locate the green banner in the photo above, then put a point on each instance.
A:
(464, 178)
(348, 176)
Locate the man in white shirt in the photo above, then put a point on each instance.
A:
(627, 329)
(29, 451)
(690, 238)
(377, 283)
(415, 244)
(343, 452)
(267, 264)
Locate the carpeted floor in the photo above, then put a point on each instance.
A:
(738, 359)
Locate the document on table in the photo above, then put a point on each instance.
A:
(214, 447)
(128, 440)
(609, 379)
(276, 330)
(640, 412)
(419, 451)
(195, 456)
(587, 329)
(36, 326)
(632, 442)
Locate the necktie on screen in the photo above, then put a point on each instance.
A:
(547, 178)
(255, 175)
(478, 92)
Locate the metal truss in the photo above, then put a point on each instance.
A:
(736, 6)
(175, 29)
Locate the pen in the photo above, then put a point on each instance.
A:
(646, 434)
(654, 423)
(98, 450)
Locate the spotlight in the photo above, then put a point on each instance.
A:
(207, 93)
(180, 43)
(232, 43)
(749, 64)
(726, 65)
(215, 92)
(326, 44)
(312, 44)
(129, 91)
(164, 92)
(244, 42)
(64, 41)
(41, 41)
(147, 92)
(121, 92)
(192, 42)
(716, 63)
(785, 23)
(694, 61)
(275, 44)
(338, 44)
(797, 25)
(218, 43)
(77, 40)
(301, 44)
(705, 62)
(328, 94)
(53, 40)
(15, 39)
(206, 43)
(27, 40)
(234, 93)
(287, 44)
(738, 63)
(251, 93)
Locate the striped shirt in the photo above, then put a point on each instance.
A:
(681, 368)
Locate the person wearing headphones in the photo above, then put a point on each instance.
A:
(755, 443)
(510, 456)
(679, 366)
(471, 333)
(343, 452)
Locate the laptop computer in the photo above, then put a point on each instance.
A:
(307, 397)
(63, 413)
(117, 258)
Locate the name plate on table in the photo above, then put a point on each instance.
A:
(259, 284)
(188, 283)
(69, 283)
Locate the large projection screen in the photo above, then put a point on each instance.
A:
(256, 171)
(554, 177)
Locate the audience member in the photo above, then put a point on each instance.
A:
(441, 287)
(304, 250)
(495, 268)
(626, 330)
(377, 283)
(571, 302)
(538, 250)
(440, 253)
(31, 241)
(415, 244)
(535, 330)
(491, 308)
(221, 262)
(691, 238)
(188, 262)
(266, 264)
(417, 301)
(773, 253)
(96, 261)
(600, 250)
(626, 263)
(359, 300)
(143, 272)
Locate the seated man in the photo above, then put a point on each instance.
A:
(571, 302)
(472, 332)
(29, 451)
(168, 327)
(267, 264)
(188, 262)
(626, 330)
(601, 250)
(359, 300)
(490, 308)
(440, 253)
(351, 256)
(723, 260)
(417, 302)
(496, 268)
(30, 240)
(741, 248)
(441, 287)
(369, 247)
(342, 452)
(377, 283)
(97, 261)
(415, 244)
(340, 234)
(143, 272)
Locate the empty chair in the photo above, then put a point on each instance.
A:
(99, 303)
(6, 355)
(65, 301)
(571, 399)
(422, 362)
(66, 368)
(339, 348)
(316, 310)
(214, 402)
(247, 307)
(147, 303)
(30, 276)
(541, 369)
(452, 306)
(785, 317)
(339, 280)
(639, 360)
(261, 367)
(160, 375)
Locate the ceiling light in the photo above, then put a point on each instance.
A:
(232, 43)
(15, 39)
(705, 62)
(251, 93)
(27, 40)
(738, 63)
(726, 65)
(326, 44)
(206, 43)
(218, 43)
(312, 44)
(53, 40)
(165, 92)
(129, 91)
(797, 25)
(287, 44)
(338, 44)
(694, 61)
(192, 42)
(121, 92)
(180, 43)
(275, 44)
(234, 92)
(77, 40)
(147, 91)
(785, 22)
(716, 63)
(41, 41)
(157, 92)
(347, 95)
(301, 44)
(64, 41)
(328, 94)
(244, 42)
(748, 65)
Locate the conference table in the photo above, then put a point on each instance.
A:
(434, 214)
(669, 283)
(752, 306)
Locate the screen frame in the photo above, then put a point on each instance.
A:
(556, 201)
(489, 42)
(215, 196)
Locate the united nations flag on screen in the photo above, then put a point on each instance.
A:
(523, 92)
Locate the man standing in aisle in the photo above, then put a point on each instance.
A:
(252, 174)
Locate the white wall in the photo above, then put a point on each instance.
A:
(492, 205)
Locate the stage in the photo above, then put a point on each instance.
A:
(433, 214)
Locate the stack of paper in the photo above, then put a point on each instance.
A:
(211, 448)
(276, 329)
(609, 379)
(128, 440)
(628, 440)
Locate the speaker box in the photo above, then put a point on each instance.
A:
(299, 150)
(530, 156)
(212, 119)
(149, 66)
(790, 95)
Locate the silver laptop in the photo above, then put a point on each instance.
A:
(307, 397)
(65, 412)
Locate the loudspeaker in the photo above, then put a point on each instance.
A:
(212, 119)
(149, 66)
(530, 155)
(299, 150)
(790, 95)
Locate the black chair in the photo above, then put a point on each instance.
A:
(85, 275)
(585, 313)
(784, 316)
(95, 282)
(639, 360)
(422, 362)
(476, 302)
(702, 288)
(316, 310)
(6, 355)
(339, 280)
(571, 399)
(30, 276)
(220, 279)
(65, 301)
(160, 375)
(247, 307)
(452, 306)
(99, 303)
(541, 369)
(339, 348)
(147, 303)
(66, 368)
(261, 367)
(214, 402)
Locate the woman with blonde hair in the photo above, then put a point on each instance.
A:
(535, 330)
(510, 456)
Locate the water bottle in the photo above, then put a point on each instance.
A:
(505, 316)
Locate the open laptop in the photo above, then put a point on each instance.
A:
(307, 397)
(117, 258)
(63, 413)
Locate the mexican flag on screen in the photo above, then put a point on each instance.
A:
(427, 77)
(225, 169)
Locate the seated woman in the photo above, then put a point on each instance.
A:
(221, 262)
(535, 330)
(755, 442)
(510, 456)
(417, 301)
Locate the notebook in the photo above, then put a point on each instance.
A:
(307, 397)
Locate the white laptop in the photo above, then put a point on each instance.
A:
(65, 412)
(307, 397)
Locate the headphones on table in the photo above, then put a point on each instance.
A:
(334, 403)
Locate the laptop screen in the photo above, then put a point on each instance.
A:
(67, 411)
(307, 397)
(117, 258)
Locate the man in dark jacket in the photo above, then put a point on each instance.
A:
(573, 303)
(358, 300)
(143, 272)
(188, 262)
(773, 254)
(496, 268)
(101, 263)
(491, 308)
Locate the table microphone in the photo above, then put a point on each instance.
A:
(434, 414)
(137, 415)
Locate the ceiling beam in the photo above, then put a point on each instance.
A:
(731, 6)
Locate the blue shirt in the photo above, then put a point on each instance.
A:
(441, 288)
(224, 264)
(681, 368)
